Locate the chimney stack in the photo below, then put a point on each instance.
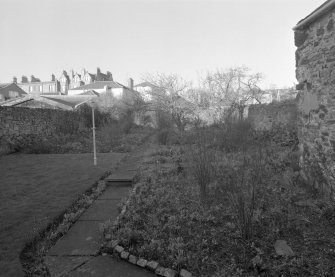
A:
(14, 80)
(53, 78)
(131, 83)
(24, 79)
(109, 76)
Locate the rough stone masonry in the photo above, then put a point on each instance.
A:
(315, 72)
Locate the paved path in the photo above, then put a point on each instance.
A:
(75, 254)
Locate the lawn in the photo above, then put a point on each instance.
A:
(35, 189)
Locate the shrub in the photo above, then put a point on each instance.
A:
(202, 165)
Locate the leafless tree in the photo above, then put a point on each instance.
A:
(233, 88)
(169, 95)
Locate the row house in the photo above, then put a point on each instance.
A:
(66, 82)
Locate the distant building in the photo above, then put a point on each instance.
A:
(10, 91)
(145, 89)
(66, 82)
(36, 87)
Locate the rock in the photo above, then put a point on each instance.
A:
(152, 265)
(282, 249)
(142, 262)
(104, 254)
(112, 244)
(185, 273)
(132, 259)
(118, 249)
(124, 255)
(170, 273)
(160, 271)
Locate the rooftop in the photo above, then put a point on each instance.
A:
(318, 12)
(99, 85)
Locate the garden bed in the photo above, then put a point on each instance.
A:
(169, 221)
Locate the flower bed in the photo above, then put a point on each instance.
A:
(166, 222)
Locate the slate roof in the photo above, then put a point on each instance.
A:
(308, 19)
(99, 85)
(145, 84)
(72, 101)
(4, 85)
(90, 92)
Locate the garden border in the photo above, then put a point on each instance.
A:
(114, 247)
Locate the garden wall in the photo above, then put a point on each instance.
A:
(266, 116)
(41, 122)
(315, 72)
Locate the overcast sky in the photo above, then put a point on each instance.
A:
(133, 37)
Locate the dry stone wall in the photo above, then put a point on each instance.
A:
(267, 116)
(315, 72)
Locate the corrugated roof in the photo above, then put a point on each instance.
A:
(99, 85)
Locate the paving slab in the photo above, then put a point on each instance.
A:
(83, 238)
(106, 266)
(115, 192)
(122, 176)
(101, 210)
(60, 265)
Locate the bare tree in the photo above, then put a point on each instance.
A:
(168, 95)
(232, 89)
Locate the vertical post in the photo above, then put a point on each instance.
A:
(94, 148)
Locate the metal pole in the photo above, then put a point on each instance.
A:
(94, 148)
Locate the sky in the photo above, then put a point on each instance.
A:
(133, 38)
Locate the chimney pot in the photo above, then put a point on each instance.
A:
(131, 83)
(14, 80)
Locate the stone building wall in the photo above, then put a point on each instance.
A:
(266, 116)
(315, 72)
(41, 122)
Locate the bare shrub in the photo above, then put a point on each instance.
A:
(202, 161)
(242, 184)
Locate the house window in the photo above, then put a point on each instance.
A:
(30, 88)
(13, 94)
(64, 88)
(40, 88)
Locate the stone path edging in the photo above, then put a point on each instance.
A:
(127, 256)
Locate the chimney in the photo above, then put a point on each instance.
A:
(109, 76)
(24, 79)
(98, 70)
(131, 83)
(14, 80)
(53, 78)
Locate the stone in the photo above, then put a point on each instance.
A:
(132, 259)
(108, 266)
(160, 271)
(282, 249)
(170, 273)
(108, 236)
(152, 265)
(118, 249)
(124, 255)
(112, 244)
(185, 273)
(142, 262)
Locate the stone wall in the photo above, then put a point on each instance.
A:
(266, 116)
(41, 122)
(315, 72)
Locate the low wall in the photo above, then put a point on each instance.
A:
(266, 116)
(42, 122)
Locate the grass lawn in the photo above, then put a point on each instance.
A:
(36, 188)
